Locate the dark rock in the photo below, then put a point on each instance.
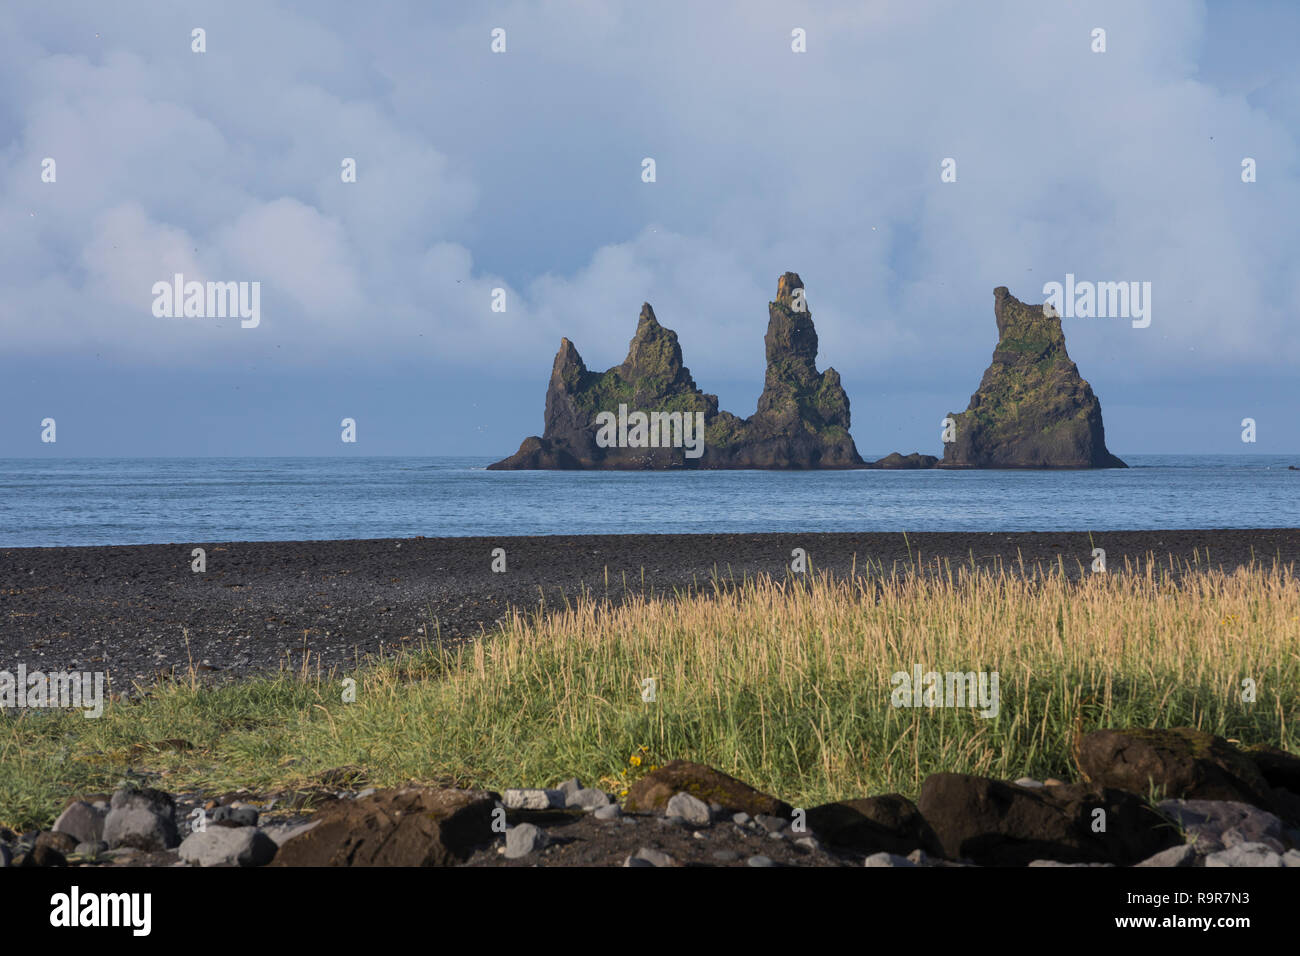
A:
(63, 843)
(896, 461)
(414, 827)
(802, 419)
(1032, 409)
(993, 823)
(655, 789)
(889, 823)
(1178, 763)
(159, 801)
(1278, 768)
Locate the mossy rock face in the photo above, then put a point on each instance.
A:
(653, 791)
(1032, 409)
(993, 823)
(802, 419)
(1179, 763)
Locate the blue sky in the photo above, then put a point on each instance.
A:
(522, 171)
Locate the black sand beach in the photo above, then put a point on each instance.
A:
(261, 605)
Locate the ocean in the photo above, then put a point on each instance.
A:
(109, 501)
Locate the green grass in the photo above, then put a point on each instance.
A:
(785, 685)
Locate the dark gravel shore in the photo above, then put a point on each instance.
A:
(261, 605)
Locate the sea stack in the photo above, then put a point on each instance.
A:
(647, 413)
(1032, 409)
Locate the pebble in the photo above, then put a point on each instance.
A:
(1028, 782)
(587, 799)
(1184, 855)
(725, 856)
(887, 859)
(1245, 854)
(772, 824)
(610, 812)
(741, 819)
(533, 799)
(691, 809)
(759, 861)
(524, 839)
(647, 856)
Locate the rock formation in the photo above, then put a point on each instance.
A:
(647, 413)
(1032, 410)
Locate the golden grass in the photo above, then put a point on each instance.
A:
(785, 684)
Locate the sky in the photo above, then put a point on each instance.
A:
(522, 171)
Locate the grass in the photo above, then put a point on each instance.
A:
(785, 684)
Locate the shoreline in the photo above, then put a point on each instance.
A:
(261, 605)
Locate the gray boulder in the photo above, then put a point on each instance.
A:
(691, 809)
(524, 839)
(228, 846)
(81, 821)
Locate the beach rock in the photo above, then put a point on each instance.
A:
(993, 823)
(410, 827)
(1245, 854)
(1060, 864)
(895, 461)
(1276, 766)
(653, 791)
(6, 856)
(587, 798)
(725, 856)
(91, 849)
(887, 859)
(1184, 855)
(1032, 409)
(1178, 763)
(141, 819)
(236, 816)
(760, 861)
(282, 834)
(649, 857)
(691, 809)
(888, 823)
(82, 821)
(1211, 825)
(802, 419)
(524, 839)
(533, 799)
(228, 846)
(608, 813)
(64, 843)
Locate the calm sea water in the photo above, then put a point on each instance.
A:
(161, 500)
